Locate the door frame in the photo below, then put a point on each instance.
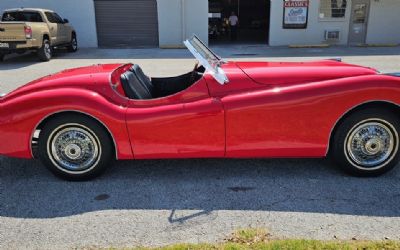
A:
(351, 20)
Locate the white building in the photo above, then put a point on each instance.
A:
(166, 23)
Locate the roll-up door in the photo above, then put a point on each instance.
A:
(127, 23)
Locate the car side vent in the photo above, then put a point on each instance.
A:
(332, 35)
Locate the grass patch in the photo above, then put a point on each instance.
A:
(249, 236)
(260, 239)
(287, 245)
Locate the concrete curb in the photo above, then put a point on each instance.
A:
(378, 45)
(295, 46)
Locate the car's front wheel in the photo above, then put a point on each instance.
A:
(367, 142)
(75, 147)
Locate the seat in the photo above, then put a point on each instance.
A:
(133, 88)
(144, 80)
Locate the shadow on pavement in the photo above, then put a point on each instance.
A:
(28, 190)
(16, 61)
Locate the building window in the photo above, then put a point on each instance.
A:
(332, 9)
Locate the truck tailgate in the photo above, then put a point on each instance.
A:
(12, 31)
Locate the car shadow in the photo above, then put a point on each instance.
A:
(16, 61)
(28, 190)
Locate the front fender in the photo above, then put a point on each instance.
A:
(20, 116)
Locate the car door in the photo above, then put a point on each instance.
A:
(187, 125)
(53, 28)
(64, 36)
(56, 28)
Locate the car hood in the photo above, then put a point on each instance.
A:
(289, 73)
(83, 77)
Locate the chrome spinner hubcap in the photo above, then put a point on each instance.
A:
(74, 149)
(370, 144)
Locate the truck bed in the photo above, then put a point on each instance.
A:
(13, 31)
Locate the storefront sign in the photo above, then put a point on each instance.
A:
(295, 14)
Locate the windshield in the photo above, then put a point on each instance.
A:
(207, 58)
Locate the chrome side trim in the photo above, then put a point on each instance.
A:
(345, 113)
(76, 111)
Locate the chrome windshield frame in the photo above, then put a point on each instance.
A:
(206, 57)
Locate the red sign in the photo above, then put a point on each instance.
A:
(298, 3)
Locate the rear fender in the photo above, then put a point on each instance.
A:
(21, 115)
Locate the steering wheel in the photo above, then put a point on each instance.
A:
(194, 72)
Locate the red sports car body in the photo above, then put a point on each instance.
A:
(262, 109)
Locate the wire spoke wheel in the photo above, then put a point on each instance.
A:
(371, 144)
(74, 149)
(366, 142)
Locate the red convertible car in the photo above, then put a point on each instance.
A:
(79, 120)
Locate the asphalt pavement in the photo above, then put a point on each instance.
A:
(153, 203)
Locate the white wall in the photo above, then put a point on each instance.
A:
(80, 13)
(196, 18)
(384, 22)
(179, 19)
(314, 34)
(169, 22)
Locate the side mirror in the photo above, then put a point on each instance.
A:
(66, 20)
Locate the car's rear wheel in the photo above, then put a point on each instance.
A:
(367, 142)
(45, 53)
(73, 46)
(75, 147)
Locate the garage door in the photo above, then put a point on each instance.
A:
(127, 23)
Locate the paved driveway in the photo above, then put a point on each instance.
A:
(163, 202)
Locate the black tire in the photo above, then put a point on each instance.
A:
(73, 46)
(366, 143)
(45, 53)
(59, 145)
(2, 56)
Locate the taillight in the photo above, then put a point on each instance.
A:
(28, 32)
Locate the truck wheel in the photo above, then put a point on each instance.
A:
(45, 52)
(73, 46)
